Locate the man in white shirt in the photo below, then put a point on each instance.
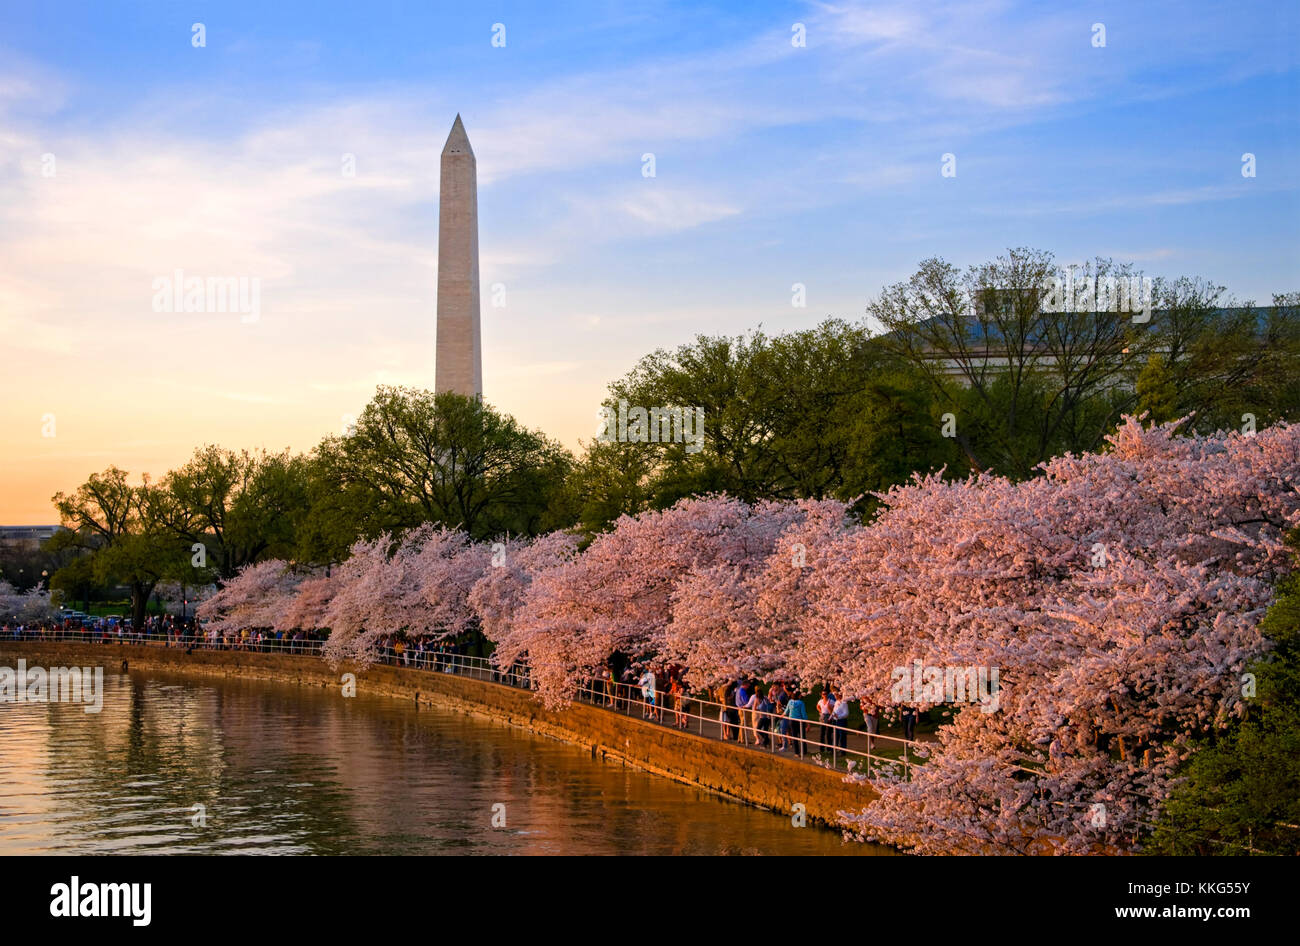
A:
(840, 717)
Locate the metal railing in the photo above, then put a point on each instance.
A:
(746, 727)
(756, 729)
(287, 645)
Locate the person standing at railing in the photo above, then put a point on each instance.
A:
(677, 693)
(763, 717)
(909, 722)
(657, 691)
(825, 735)
(755, 700)
(725, 695)
(647, 684)
(796, 716)
(741, 699)
(779, 697)
(840, 718)
(871, 716)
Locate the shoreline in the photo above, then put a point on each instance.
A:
(760, 779)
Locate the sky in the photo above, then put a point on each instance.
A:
(128, 151)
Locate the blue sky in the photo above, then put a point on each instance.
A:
(774, 165)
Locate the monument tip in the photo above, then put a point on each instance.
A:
(457, 141)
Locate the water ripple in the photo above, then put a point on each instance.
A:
(279, 769)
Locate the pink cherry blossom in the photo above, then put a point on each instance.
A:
(420, 590)
(1118, 594)
(255, 598)
(307, 608)
(498, 595)
(617, 596)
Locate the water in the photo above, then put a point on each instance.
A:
(288, 770)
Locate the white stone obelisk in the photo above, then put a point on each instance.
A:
(459, 363)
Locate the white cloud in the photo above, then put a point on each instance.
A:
(662, 210)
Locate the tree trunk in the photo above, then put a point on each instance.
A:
(139, 602)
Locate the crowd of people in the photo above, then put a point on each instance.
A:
(427, 654)
(750, 712)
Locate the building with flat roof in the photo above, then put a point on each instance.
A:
(31, 536)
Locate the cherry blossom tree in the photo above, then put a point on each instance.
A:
(744, 617)
(33, 605)
(1118, 594)
(310, 603)
(256, 597)
(617, 596)
(362, 584)
(445, 564)
(499, 594)
(420, 590)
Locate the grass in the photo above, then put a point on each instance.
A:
(103, 609)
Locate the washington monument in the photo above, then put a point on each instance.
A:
(459, 364)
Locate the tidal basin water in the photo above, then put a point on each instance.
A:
(297, 770)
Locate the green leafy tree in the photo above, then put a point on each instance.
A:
(126, 540)
(822, 412)
(894, 435)
(77, 581)
(789, 416)
(239, 507)
(716, 376)
(1023, 382)
(1229, 360)
(610, 479)
(340, 509)
(417, 457)
(1157, 391)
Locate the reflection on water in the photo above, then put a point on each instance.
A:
(282, 769)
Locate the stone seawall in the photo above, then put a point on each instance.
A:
(759, 778)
